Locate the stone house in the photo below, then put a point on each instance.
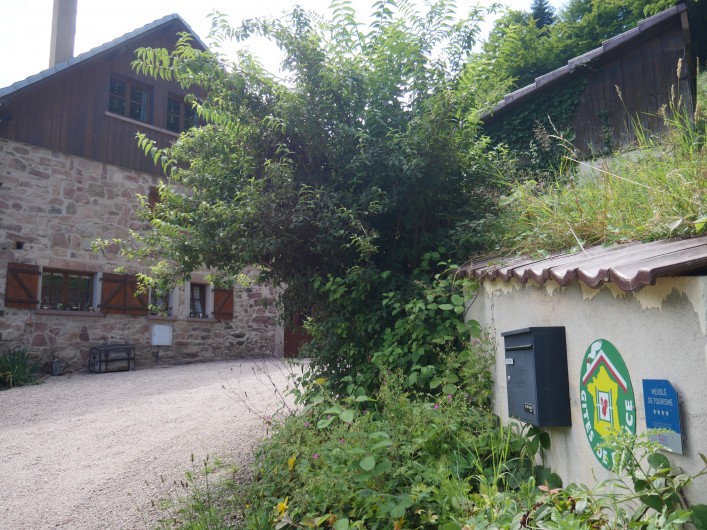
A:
(70, 173)
(622, 330)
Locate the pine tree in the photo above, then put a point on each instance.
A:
(543, 13)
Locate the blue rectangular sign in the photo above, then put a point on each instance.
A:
(660, 401)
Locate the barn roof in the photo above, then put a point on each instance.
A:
(629, 266)
(607, 46)
(81, 58)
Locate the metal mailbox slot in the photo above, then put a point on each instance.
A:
(536, 376)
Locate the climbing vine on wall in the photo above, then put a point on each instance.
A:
(528, 128)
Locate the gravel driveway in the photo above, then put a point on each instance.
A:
(86, 451)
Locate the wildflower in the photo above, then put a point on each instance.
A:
(365, 411)
(341, 440)
(315, 456)
(291, 462)
(282, 507)
(450, 397)
(436, 406)
(306, 425)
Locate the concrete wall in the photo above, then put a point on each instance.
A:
(661, 333)
(56, 205)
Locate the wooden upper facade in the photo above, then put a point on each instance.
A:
(641, 63)
(93, 105)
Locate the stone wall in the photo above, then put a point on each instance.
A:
(52, 207)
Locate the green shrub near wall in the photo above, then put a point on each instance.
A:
(16, 368)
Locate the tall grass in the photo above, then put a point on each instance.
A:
(658, 190)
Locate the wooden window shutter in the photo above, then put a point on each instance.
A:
(135, 305)
(118, 295)
(223, 304)
(22, 287)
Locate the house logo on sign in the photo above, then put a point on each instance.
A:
(607, 398)
(605, 407)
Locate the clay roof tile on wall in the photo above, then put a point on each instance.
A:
(630, 266)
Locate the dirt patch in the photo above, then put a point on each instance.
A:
(86, 451)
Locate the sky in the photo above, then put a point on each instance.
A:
(24, 39)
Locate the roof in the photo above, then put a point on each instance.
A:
(97, 51)
(606, 46)
(630, 266)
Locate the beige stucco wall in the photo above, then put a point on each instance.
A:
(57, 205)
(661, 333)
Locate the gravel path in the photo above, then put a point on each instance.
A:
(87, 451)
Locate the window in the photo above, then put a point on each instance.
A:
(129, 99)
(180, 115)
(66, 290)
(197, 300)
(160, 303)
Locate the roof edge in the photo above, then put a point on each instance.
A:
(93, 52)
(629, 266)
(592, 55)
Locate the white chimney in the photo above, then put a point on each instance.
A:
(63, 31)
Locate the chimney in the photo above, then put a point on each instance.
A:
(63, 31)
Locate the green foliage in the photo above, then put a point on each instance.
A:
(543, 13)
(524, 45)
(528, 131)
(376, 323)
(403, 456)
(206, 499)
(16, 368)
(358, 158)
(412, 460)
(656, 191)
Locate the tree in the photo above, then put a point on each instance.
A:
(543, 13)
(525, 45)
(518, 49)
(356, 164)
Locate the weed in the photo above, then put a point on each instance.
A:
(16, 368)
(206, 500)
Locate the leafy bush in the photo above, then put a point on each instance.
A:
(406, 460)
(378, 462)
(16, 368)
(376, 322)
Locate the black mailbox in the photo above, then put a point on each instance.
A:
(536, 376)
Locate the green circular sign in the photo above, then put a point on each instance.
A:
(606, 395)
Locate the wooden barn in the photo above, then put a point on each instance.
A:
(70, 173)
(594, 99)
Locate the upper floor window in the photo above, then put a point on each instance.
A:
(129, 99)
(180, 115)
